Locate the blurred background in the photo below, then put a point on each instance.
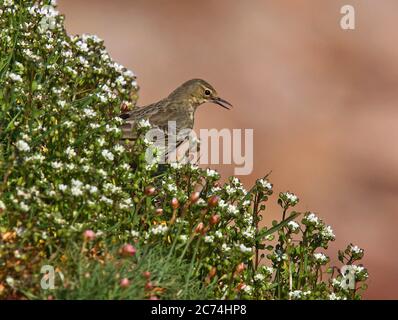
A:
(322, 101)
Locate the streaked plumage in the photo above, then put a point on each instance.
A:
(179, 106)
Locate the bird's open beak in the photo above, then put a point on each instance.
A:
(221, 102)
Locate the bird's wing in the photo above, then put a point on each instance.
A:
(158, 115)
(133, 117)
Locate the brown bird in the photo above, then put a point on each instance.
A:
(180, 106)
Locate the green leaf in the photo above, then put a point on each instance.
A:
(263, 233)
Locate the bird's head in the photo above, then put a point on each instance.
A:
(198, 91)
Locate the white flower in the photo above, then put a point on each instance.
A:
(265, 184)
(144, 124)
(335, 282)
(102, 173)
(56, 165)
(248, 218)
(108, 128)
(293, 225)
(269, 270)
(121, 81)
(183, 237)
(311, 217)
(159, 229)
(10, 281)
(211, 173)
(106, 200)
(76, 187)
(108, 155)
(15, 77)
(327, 233)
(249, 232)
(24, 206)
(62, 103)
(244, 249)
(232, 209)
(247, 289)
(356, 249)
(225, 247)
(62, 187)
(215, 189)
(209, 239)
(291, 197)
(101, 141)
(296, 294)
(88, 112)
(70, 152)
(171, 187)
(118, 148)
(320, 257)
(94, 125)
(333, 296)
(259, 277)
(218, 234)
(93, 189)
(222, 204)
(134, 233)
(82, 45)
(201, 202)
(176, 165)
(2, 205)
(230, 190)
(22, 146)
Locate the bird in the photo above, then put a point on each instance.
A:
(179, 106)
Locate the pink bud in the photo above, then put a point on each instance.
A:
(128, 250)
(146, 274)
(214, 219)
(153, 297)
(124, 283)
(174, 203)
(199, 228)
(148, 285)
(195, 197)
(213, 201)
(89, 235)
(149, 191)
(241, 267)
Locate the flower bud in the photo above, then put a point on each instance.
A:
(148, 285)
(146, 274)
(213, 201)
(212, 272)
(240, 268)
(128, 250)
(89, 235)
(194, 197)
(150, 191)
(174, 203)
(214, 219)
(124, 283)
(159, 211)
(199, 228)
(240, 286)
(124, 108)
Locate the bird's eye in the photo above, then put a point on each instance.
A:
(207, 92)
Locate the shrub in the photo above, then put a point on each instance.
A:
(72, 196)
